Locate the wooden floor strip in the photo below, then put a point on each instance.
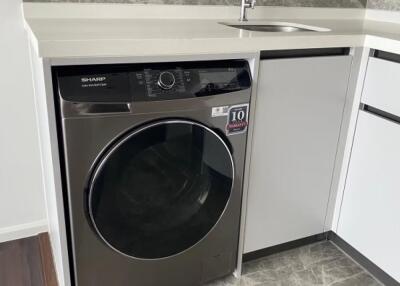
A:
(27, 262)
(48, 270)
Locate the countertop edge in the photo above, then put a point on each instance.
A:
(385, 37)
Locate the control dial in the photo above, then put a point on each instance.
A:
(166, 80)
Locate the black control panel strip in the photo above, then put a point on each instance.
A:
(386, 56)
(303, 53)
(121, 83)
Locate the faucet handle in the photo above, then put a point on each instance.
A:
(252, 4)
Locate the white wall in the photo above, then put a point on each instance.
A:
(22, 210)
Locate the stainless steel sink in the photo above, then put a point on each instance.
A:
(271, 28)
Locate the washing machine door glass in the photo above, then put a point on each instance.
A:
(161, 189)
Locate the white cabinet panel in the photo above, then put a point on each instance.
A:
(297, 122)
(370, 215)
(382, 85)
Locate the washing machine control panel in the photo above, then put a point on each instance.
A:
(158, 83)
(152, 81)
(188, 79)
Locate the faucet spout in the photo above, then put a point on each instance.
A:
(245, 5)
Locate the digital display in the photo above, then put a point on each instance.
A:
(218, 77)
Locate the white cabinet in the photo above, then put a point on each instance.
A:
(370, 214)
(382, 85)
(297, 122)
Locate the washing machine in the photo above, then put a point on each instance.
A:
(153, 158)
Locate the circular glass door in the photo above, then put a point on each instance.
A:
(161, 189)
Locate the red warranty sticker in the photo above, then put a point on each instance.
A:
(238, 116)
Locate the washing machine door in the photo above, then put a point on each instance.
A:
(161, 189)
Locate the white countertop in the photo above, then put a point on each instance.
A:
(63, 33)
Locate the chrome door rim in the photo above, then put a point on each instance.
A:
(103, 159)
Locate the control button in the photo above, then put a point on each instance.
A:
(166, 80)
(211, 87)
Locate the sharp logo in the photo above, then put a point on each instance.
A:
(93, 79)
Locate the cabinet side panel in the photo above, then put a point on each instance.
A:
(50, 165)
(347, 130)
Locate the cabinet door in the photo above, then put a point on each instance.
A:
(298, 116)
(381, 85)
(370, 214)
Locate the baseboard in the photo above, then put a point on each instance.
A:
(371, 267)
(284, 246)
(23, 230)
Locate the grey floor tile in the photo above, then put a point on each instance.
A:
(253, 266)
(318, 264)
(336, 269)
(264, 276)
(290, 260)
(362, 279)
(315, 253)
(307, 277)
(227, 281)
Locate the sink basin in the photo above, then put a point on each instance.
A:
(271, 28)
(275, 27)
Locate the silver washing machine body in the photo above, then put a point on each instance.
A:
(153, 169)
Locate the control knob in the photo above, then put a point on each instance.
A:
(166, 80)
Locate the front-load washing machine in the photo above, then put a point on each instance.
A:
(153, 162)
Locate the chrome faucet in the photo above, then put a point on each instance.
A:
(246, 4)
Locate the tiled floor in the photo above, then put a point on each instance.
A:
(319, 264)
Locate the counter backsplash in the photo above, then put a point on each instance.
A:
(287, 3)
(384, 4)
(372, 4)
